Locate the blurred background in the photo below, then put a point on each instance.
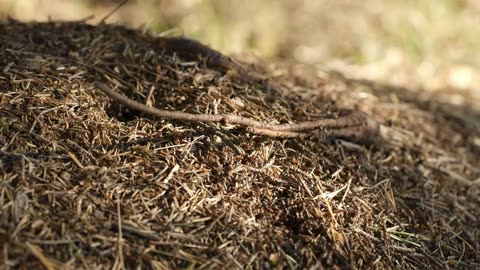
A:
(433, 44)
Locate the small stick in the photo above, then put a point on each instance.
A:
(354, 126)
(113, 11)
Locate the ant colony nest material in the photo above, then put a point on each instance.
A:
(195, 160)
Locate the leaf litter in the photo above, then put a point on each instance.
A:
(87, 182)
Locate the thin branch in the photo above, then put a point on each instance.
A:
(113, 11)
(354, 126)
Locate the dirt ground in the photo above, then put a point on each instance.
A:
(87, 183)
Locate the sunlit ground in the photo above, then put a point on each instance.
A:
(432, 44)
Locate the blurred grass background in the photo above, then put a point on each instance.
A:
(432, 44)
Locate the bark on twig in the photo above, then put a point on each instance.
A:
(354, 126)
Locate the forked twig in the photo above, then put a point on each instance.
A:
(354, 126)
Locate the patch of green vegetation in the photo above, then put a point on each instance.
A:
(3, 123)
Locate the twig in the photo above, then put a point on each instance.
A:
(113, 11)
(353, 126)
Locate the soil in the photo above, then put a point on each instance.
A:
(89, 183)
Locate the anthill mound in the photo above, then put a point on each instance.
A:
(87, 182)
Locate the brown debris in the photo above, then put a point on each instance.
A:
(89, 182)
(354, 125)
